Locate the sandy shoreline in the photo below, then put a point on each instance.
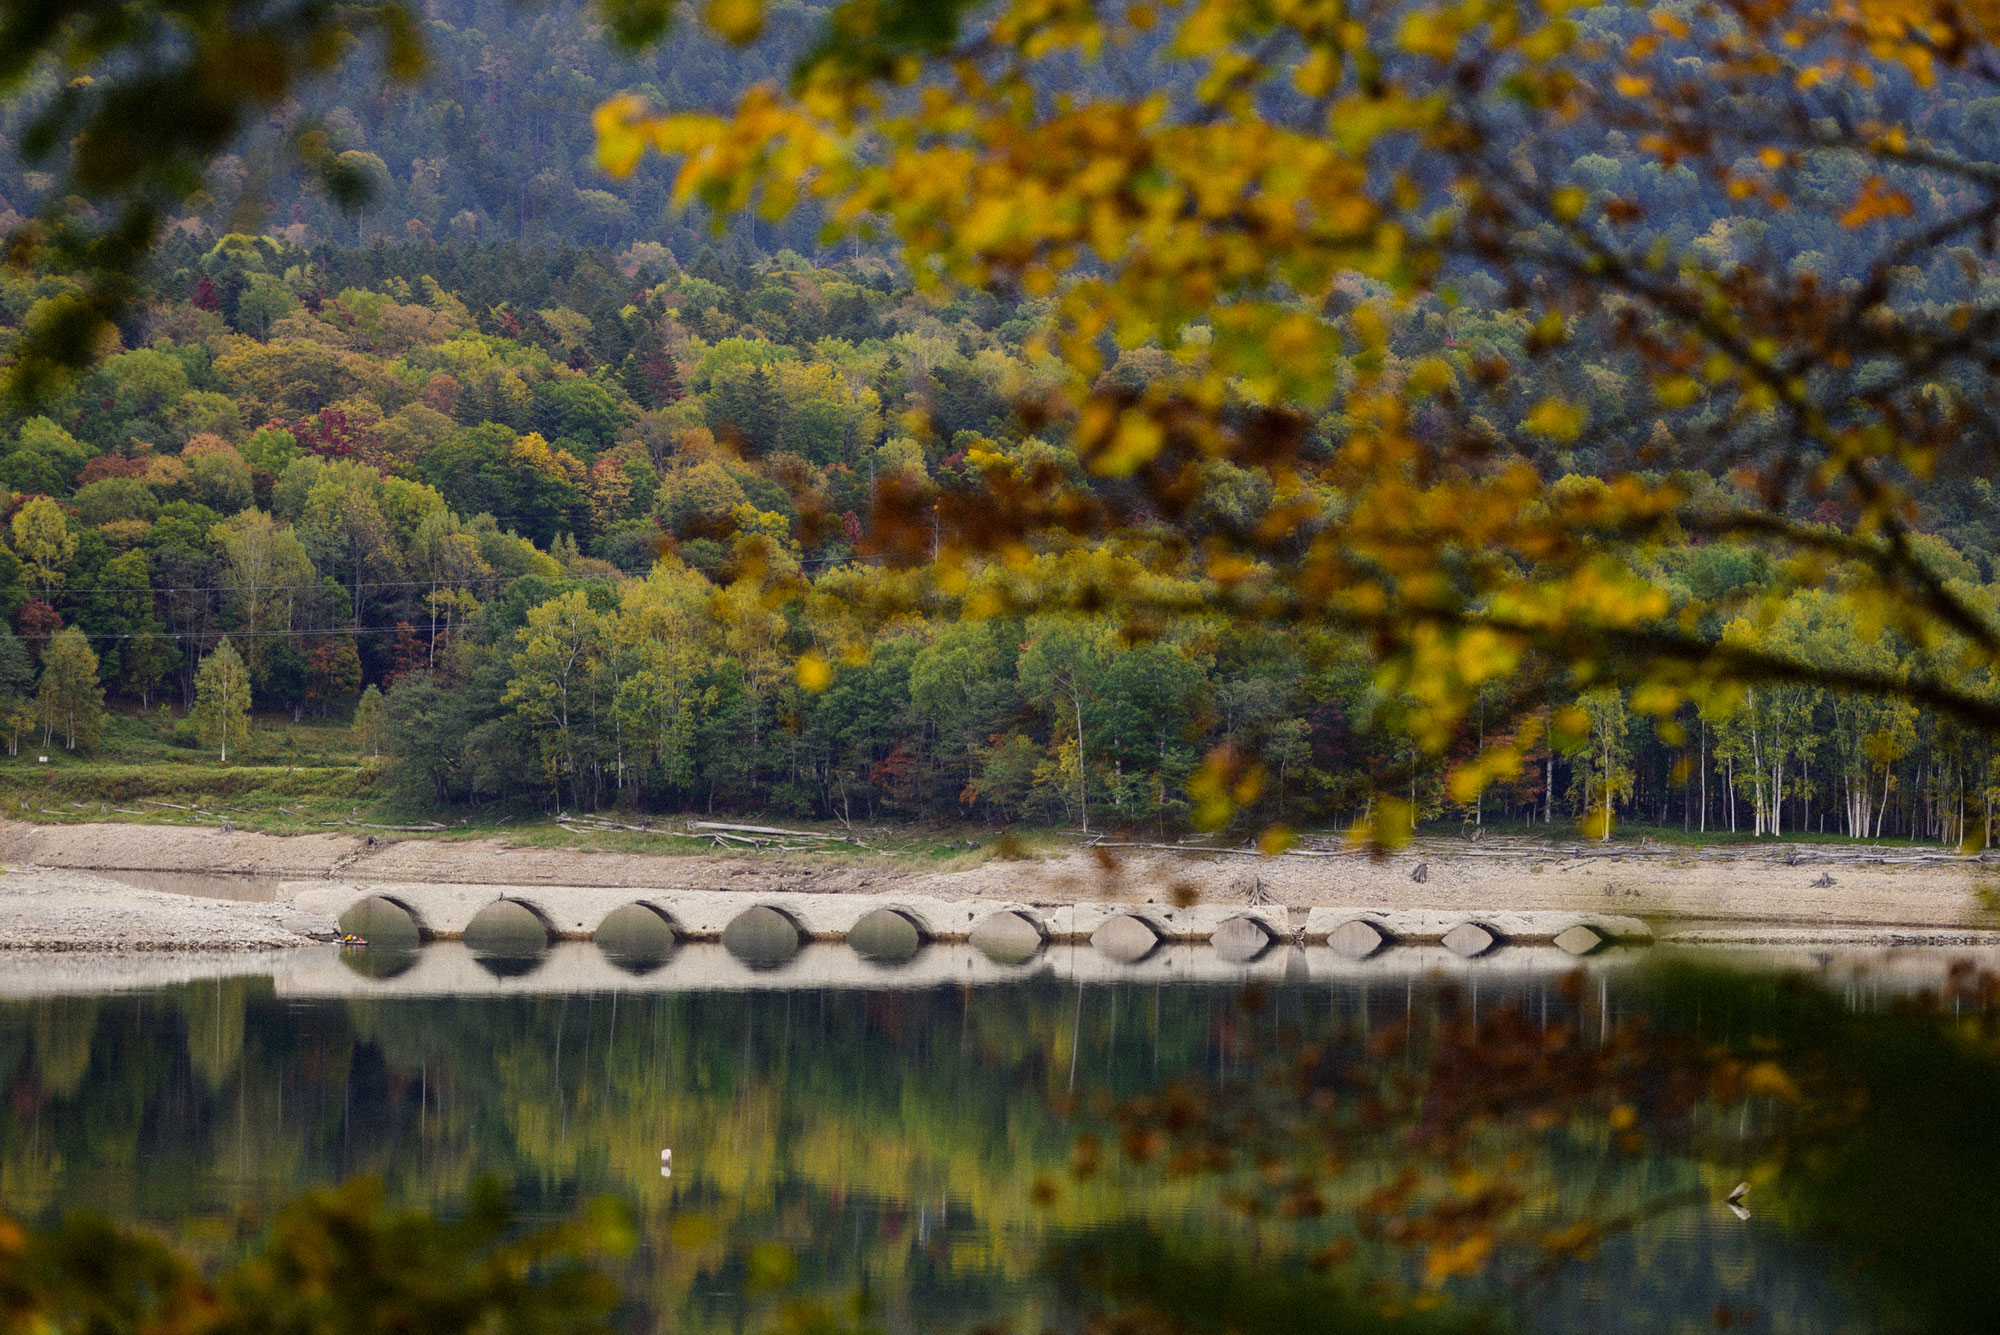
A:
(79, 887)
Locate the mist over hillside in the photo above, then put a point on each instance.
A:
(492, 143)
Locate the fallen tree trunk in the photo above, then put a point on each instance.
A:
(1206, 848)
(716, 826)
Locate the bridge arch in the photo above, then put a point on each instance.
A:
(368, 916)
(638, 937)
(764, 936)
(888, 934)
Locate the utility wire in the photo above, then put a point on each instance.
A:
(364, 584)
(219, 634)
(277, 588)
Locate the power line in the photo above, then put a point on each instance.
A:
(362, 584)
(231, 634)
(280, 588)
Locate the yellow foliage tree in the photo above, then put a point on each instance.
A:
(43, 541)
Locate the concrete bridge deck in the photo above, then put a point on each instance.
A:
(575, 913)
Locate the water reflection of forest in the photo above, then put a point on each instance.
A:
(915, 1142)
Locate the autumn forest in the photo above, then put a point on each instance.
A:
(574, 493)
(533, 536)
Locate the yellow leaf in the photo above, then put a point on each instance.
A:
(815, 673)
(1770, 1078)
(1877, 200)
(1431, 376)
(737, 21)
(1676, 391)
(1276, 840)
(1429, 35)
(624, 129)
(1248, 787)
(1392, 820)
(1557, 420)
(1569, 726)
(1466, 1257)
(1370, 327)
(1137, 440)
(1549, 41)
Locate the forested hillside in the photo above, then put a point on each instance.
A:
(592, 520)
(577, 500)
(494, 143)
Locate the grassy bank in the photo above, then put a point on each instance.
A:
(310, 776)
(289, 776)
(294, 777)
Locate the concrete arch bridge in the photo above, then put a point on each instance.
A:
(781, 920)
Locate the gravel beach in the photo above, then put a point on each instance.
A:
(48, 909)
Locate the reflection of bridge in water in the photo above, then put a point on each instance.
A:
(1865, 976)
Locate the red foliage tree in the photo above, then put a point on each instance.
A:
(109, 465)
(408, 652)
(333, 670)
(38, 621)
(336, 433)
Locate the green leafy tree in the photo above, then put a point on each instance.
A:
(222, 699)
(17, 675)
(262, 303)
(551, 684)
(371, 720)
(1149, 697)
(430, 747)
(346, 533)
(266, 572)
(70, 701)
(1062, 670)
(271, 450)
(44, 458)
(118, 611)
(659, 634)
(960, 683)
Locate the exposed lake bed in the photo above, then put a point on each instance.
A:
(110, 887)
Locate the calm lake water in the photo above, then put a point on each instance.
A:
(890, 1135)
